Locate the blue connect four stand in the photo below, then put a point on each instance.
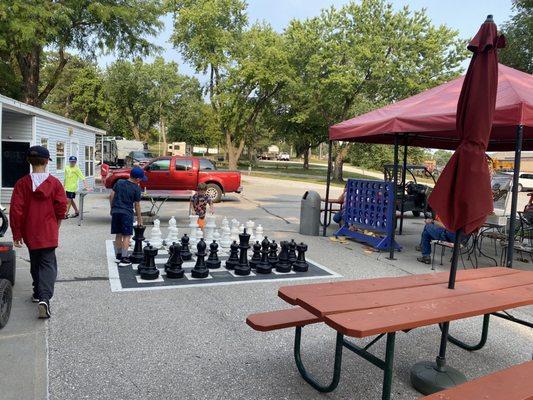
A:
(369, 205)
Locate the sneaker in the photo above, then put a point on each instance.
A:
(125, 262)
(44, 309)
(424, 259)
(34, 299)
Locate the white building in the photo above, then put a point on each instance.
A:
(22, 126)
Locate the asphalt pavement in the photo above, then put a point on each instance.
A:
(193, 343)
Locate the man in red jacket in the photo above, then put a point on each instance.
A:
(38, 205)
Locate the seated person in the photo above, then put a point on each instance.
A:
(434, 230)
(338, 216)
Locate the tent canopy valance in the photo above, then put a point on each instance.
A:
(429, 117)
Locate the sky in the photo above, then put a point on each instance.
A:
(463, 15)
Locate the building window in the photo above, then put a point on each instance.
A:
(89, 161)
(44, 142)
(60, 156)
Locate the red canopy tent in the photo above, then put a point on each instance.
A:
(429, 117)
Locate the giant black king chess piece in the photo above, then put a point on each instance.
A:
(137, 256)
(243, 267)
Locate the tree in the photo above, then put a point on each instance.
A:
(519, 34)
(362, 56)
(79, 92)
(89, 27)
(246, 66)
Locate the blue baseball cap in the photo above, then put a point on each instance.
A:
(72, 159)
(39, 151)
(138, 173)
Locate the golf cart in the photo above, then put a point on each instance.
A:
(415, 194)
(7, 273)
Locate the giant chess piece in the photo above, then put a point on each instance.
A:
(256, 256)
(174, 263)
(186, 254)
(213, 262)
(210, 226)
(234, 231)
(283, 265)
(273, 254)
(292, 252)
(250, 225)
(259, 233)
(233, 259)
(193, 226)
(149, 270)
(225, 241)
(264, 267)
(156, 235)
(300, 265)
(172, 232)
(200, 270)
(144, 261)
(225, 223)
(243, 267)
(137, 256)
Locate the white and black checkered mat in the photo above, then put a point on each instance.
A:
(127, 278)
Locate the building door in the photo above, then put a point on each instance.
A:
(14, 164)
(74, 149)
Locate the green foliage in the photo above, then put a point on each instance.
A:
(90, 27)
(519, 34)
(375, 156)
(442, 157)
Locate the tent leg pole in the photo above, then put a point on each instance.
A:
(395, 187)
(514, 191)
(404, 173)
(328, 183)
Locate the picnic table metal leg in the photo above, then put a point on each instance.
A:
(336, 368)
(389, 360)
(482, 341)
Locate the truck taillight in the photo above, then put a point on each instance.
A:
(4, 249)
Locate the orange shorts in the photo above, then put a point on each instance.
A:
(201, 222)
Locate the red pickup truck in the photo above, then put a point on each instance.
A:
(183, 173)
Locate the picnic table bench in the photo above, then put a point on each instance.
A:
(381, 307)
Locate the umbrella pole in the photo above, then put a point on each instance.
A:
(404, 173)
(328, 183)
(394, 194)
(514, 191)
(429, 377)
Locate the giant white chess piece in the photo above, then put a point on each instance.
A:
(234, 230)
(156, 235)
(259, 233)
(193, 226)
(210, 226)
(172, 232)
(225, 241)
(225, 223)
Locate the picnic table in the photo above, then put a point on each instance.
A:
(156, 198)
(384, 306)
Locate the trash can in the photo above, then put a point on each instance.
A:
(310, 214)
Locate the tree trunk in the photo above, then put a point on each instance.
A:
(306, 159)
(233, 152)
(136, 132)
(29, 65)
(163, 131)
(339, 162)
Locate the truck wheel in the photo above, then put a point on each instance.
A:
(8, 266)
(214, 192)
(6, 297)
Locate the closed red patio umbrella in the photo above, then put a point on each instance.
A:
(462, 198)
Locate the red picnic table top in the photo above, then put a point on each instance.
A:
(362, 308)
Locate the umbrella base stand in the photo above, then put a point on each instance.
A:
(429, 377)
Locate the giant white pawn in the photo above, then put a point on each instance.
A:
(172, 232)
(259, 234)
(225, 241)
(193, 226)
(156, 235)
(210, 226)
(225, 223)
(234, 233)
(199, 234)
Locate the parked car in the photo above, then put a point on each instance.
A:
(140, 158)
(284, 157)
(183, 173)
(525, 182)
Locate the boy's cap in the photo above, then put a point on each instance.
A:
(39, 151)
(138, 173)
(72, 159)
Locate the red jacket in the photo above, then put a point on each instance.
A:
(34, 216)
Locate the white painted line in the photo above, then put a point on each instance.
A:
(188, 275)
(282, 273)
(232, 272)
(141, 280)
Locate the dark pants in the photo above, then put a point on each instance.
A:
(434, 232)
(43, 268)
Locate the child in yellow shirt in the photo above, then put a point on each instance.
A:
(72, 175)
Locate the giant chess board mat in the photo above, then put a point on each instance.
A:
(127, 278)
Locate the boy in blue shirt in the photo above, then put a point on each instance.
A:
(125, 196)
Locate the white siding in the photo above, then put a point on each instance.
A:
(61, 132)
(16, 127)
(5, 197)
